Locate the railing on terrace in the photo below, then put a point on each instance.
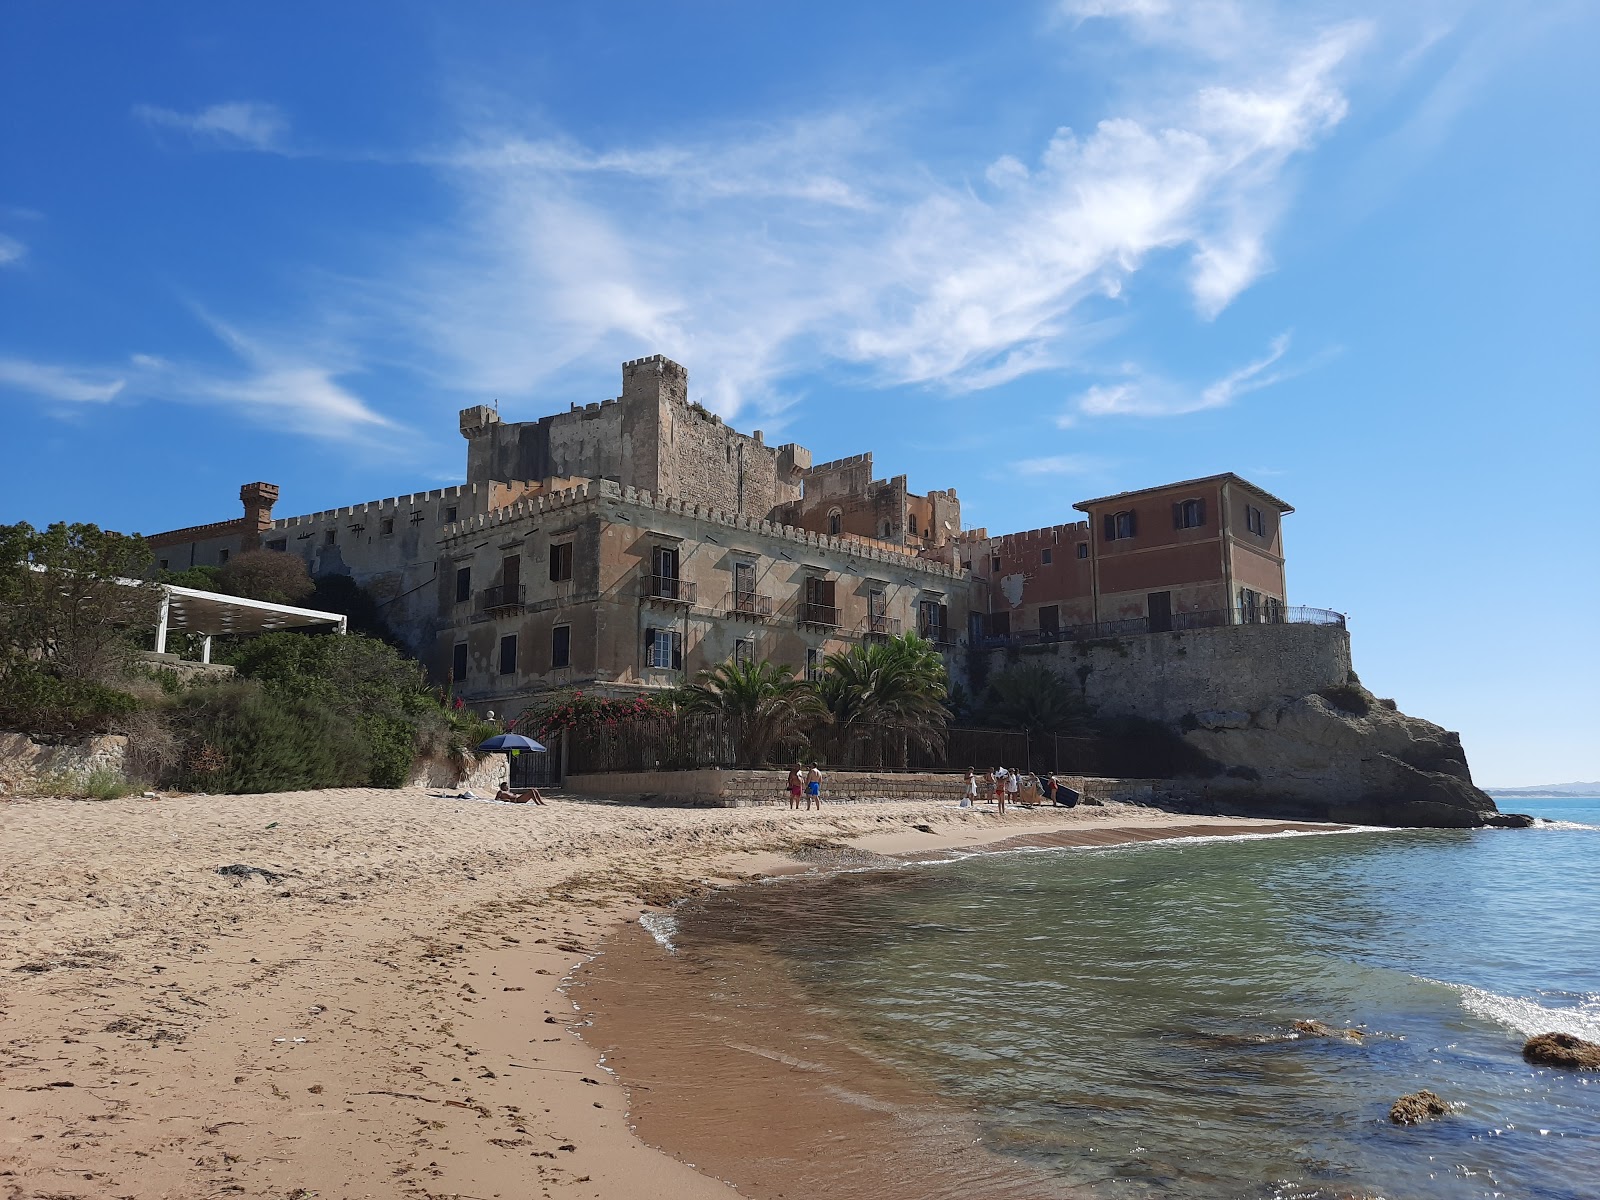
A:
(939, 635)
(881, 626)
(669, 588)
(1181, 621)
(502, 596)
(818, 614)
(749, 604)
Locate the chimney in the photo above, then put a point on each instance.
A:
(258, 499)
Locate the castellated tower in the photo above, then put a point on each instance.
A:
(258, 499)
(651, 438)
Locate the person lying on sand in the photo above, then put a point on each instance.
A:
(518, 795)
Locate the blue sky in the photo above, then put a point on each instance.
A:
(1038, 252)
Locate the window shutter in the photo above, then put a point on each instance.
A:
(944, 616)
(1110, 522)
(649, 647)
(1200, 506)
(677, 652)
(1133, 524)
(1177, 516)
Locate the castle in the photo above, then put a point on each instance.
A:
(628, 544)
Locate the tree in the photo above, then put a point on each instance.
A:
(70, 595)
(762, 702)
(266, 575)
(892, 691)
(1032, 697)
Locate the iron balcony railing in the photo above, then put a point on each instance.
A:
(878, 625)
(1180, 621)
(749, 604)
(818, 614)
(669, 588)
(502, 596)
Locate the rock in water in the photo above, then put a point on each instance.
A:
(1417, 1108)
(1318, 1029)
(1508, 821)
(1562, 1050)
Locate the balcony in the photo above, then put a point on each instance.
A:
(819, 614)
(750, 606)
(669, 589)
(880, 626)
(939, 635)
(502, 598)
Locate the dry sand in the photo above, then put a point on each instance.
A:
(379, 1017)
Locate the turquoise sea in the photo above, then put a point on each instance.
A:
(1122, 1018)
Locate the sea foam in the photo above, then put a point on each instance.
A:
(662, 927)
(1530, 1018)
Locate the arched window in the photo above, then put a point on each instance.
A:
(1120, 525)
(911, 524)
(1189, 514)
(835, 522)
(886, 529)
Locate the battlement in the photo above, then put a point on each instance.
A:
(596, 490)
(1050, 535)
(392, 504)
(842, 464)
(196, 533)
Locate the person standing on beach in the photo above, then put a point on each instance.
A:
(795, 787)
(969, 791)
(999, 777)
(1013, 786)
(814, 788)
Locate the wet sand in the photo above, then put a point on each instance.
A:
(381, 1013)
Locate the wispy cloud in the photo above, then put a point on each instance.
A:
(755, 253)
(11, 250)
(1143, 394)
(67, 384)
(264, 385)
(238, 124)
(1062, 464)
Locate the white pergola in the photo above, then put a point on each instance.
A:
(211, 613)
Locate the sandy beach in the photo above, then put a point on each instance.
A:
(378, 1010)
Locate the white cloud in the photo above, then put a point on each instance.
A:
(11, 250)
(52, 382)
(755, 253)
(238, 124)
(1147, 395)
(266, 386)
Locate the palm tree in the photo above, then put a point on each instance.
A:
(894, 690)
(763, 704)
(1032, 697)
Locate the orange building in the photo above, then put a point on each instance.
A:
(1184, 555)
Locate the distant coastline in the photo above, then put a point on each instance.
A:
(1548, 790)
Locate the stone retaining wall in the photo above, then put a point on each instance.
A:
(739, 789)
(26, 764)
(1167, 676)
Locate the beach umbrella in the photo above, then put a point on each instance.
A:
(509, 741)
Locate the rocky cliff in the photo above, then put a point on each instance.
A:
(1344, 755)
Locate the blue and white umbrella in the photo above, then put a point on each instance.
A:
(509, 741)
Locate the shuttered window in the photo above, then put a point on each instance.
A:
(663, 649)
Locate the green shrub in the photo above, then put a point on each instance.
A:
(1348, 698)
(105, 784)
(238, 737)
(35, 701)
